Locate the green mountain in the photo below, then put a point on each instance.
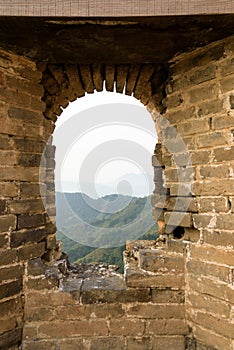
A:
(95, 230)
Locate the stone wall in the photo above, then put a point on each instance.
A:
(178, 292)
(199, 178)
(23, 220)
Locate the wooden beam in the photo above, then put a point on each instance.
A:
(113, 8)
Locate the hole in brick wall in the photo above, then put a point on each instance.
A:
(178, 232)
(104, 177)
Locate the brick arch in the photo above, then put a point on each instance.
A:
(66, 83)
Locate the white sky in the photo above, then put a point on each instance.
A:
(111, 171)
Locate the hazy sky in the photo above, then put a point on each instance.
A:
(104, 142)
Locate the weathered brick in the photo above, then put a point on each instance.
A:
(127, 327)
(4, 240)
(214, 287)
(22, 206)
(214, 187)
(227, 67)
(181, 115)
(155, 261)
(26, 115)
(168, 342)
(117, 296)
(49, 330)
(115, 343)
(178, 219)
(191, 234)
(200, 157)
(8, 189)
(227, 84)
(218, 237)
(31, 251)
(30, 220)
(207, 92)
(13, 272)
(209, 269)
(146, 311)
(224, 154)
(142, 343)
(20, 173)
(27, 145)
(211, 140)
(139, 280)
(222, 327)
(212, 254)
(222, 122)
(213, 204)
(7, 222)
(46, 283)
(167, 327)
(5, 142)
(202, 75)
(7, 257)
(182, 204)
(183, 174)
(12, 306)
(19, 238)
(193, 127)
(8, 324)
(210, 305)
(210, 107)
(215, 171)
(10, 289)
(30, 189)
(211, 339)
(167, 296)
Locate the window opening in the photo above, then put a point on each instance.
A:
(103, 177)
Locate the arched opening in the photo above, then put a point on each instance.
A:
(103, 177)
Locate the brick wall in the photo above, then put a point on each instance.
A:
(23, 220)
(199, 112)
(178, 292)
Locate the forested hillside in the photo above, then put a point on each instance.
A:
(111, 214)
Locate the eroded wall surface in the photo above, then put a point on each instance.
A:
(177, 292)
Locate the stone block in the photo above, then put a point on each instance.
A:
(125, 327)
(193, 127)
(169, 342)
(31, 251)
(211, 140)
(167, 327)
(209, 305)
(224, 154)
(8, 189)
(222, 121)
(10, 289)
(30, 220)
(141, 343)
(167, 296)
(208, 269)
(178, 219)
(48, 330)
(11, 273)
(206, 92)
(211, 339)
(19, 238)
(215, 171)
(150, 311)
(7, 222)
(213, 204)
(227, 84)
(12, 306)
(21, 206)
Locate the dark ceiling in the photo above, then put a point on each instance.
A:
(111, 40)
